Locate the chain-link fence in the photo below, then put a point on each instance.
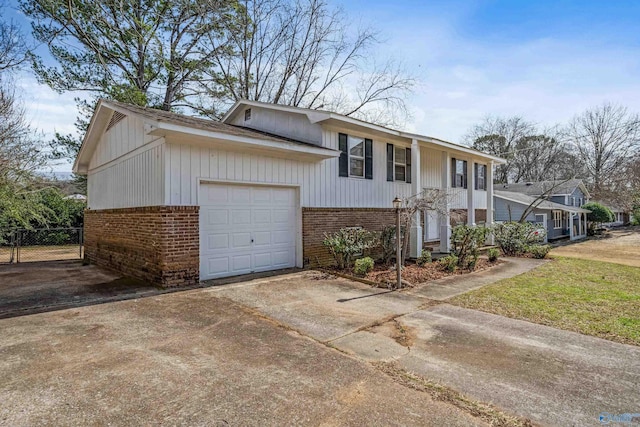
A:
(46, 244)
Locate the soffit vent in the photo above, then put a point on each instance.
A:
(115, 118)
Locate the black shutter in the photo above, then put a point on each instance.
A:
(484, 180)
(408, 170)
(475, 176)
(389, 162)
(453, 172)
(368, 159)
(464, 168)
(344, 155)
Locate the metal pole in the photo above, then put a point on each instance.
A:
(398, 251)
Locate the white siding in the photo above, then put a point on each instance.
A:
(291, 125)
(124, 137)
(320, 185)
(431, 168)
(130, 182)
(480, 199)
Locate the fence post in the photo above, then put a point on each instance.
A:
(18, 241)
(12, 245)
(80, 238)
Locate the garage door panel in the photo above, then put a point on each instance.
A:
(262, 238)
(217, 241)
(217, 266)
(216, 216)
(241, 195)
(241, 216)
(241, 240)
(262, 260)
(246, 228)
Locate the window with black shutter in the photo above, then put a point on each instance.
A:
(398, 163)
(356, 157)
(480, 173)
(458, 173)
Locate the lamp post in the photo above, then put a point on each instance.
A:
(397, 204)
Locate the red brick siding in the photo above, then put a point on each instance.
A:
(317, 221)
(159, 244)
(459, 216)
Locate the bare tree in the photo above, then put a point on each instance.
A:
(13, 47)
(501, 137)
(302, 53)
(431, 199)
(547, 192)
(605, 137)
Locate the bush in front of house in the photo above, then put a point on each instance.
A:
(514, 238)
(599, 214)
(363, 266)
(449, 263)
(348, 243)
(493, 254)
(539, 251)
(388, 244)
(424, 258)
(466, 240)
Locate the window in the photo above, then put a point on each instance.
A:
(581, 201)
(247, 114)
(356, 157)
(400, 164)
(481, 177)
(459, 173)
(557, 219)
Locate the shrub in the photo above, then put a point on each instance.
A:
(599, 213)
(347, 243)
(449, 263)
(424, 258)
(465, 241)
(514, 238)
(493, 254)
(388, 244)
(539, 251)
(363, 266)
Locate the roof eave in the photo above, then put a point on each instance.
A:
(162, 128)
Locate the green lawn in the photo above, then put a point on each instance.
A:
(590, 297)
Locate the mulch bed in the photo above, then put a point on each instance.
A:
(414, 274)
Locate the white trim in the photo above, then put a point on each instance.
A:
(555, 220)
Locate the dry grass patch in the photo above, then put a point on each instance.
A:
(591, 297)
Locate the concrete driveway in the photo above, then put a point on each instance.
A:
(35, 287)
(551, 376)
(192, 358)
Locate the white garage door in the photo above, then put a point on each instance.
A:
(245, 229)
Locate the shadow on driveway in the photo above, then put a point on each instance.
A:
(37, 287)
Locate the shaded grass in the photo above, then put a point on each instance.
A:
(591, 297)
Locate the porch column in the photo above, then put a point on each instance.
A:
(415, 236)
(445, 219)
(471, 185)
(489, 179)
(580, 224)
(570, 222)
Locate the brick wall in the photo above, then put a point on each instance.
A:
(158, 244)
(317, 221)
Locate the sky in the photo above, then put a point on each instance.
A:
(544, 60)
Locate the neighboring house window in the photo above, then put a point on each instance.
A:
(247, 114)
(581, 201)
(356, 157)
(557, 219)
(458, 173)
(398, 163)
(573, 201)
(481, 176)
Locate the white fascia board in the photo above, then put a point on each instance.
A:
(97, 124)
(161, 128)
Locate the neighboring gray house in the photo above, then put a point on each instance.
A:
(554, 217)
(569, 193)
(559, 211)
